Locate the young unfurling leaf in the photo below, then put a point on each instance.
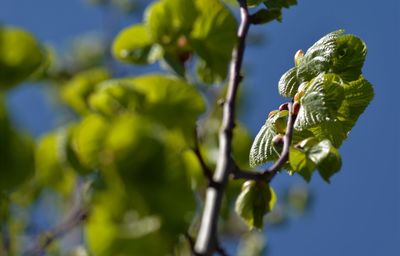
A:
(335, 53)
(263, 148)
(255, 200)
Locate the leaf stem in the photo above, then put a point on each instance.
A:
(207, 241)
(45, 239)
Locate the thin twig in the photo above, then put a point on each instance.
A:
(207, 240)
(206, 171)
(270, 172)
(45, 239)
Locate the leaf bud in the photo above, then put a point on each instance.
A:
(298, 96)
(182, 42)
(297, 57)
(284, 106)
(278, 139)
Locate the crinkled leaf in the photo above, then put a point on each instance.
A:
(334, 53)
(133, 45)
(326, 157)
(301, 163)
(320, 102)
(255, 200)
(358, 95)
(348, 57)
(288, 84)
(263, 148)
(317, 58)
(298, 135)
(214, 35)
(333, 131)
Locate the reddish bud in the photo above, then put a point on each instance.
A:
(284, 106)
(182, 42)
(278, 139)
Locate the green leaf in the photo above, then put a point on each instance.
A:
(16, 154)
(130, 148)
(255, 200)
(167, 20)
(17, 160)
(348, 57)
(263, 16)
(133, 45)
(116, 97)
(117, 228)
(241, 144)
(252, 244)
(320, 102)
(301, 163)
(279, 3)
(169, 100)
(214, 35)
(334, 53)
(205, 73)
(318, 57)
(288, 83)
(20, 56)
(77, 91)
(172, 62)
(263, 148)
(326, 157)
(358, 95)
(88, 138)
(51, 163)
(333, 131)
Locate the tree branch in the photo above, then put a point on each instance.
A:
(269, 173)
(45, 239)
(207, 240)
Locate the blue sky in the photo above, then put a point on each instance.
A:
(359, 212)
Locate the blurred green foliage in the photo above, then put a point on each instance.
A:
(129, 152)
